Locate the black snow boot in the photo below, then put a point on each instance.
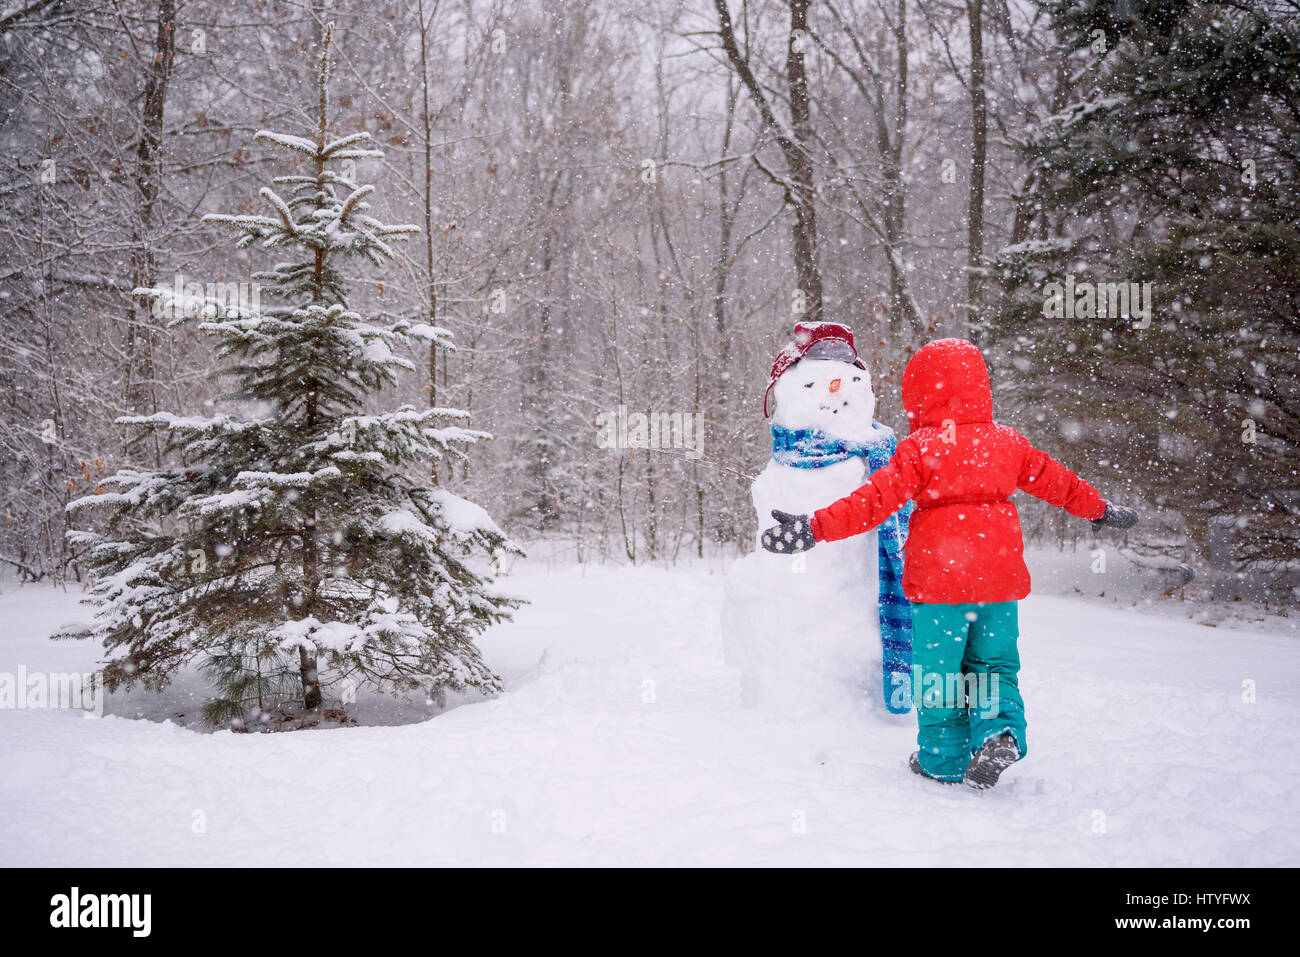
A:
(914, 763)
(997, 754)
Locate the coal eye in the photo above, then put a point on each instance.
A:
(857, 378)
(808, 385)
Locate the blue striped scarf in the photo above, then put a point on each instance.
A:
(812, 449)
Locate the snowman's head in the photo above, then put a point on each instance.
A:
(826, 394)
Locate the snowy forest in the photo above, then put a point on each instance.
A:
(416, 351)
(627, 205)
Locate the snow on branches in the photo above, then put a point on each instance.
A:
(299, 545)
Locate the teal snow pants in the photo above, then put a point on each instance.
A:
(965, 673)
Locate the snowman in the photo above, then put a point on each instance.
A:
(820, 628)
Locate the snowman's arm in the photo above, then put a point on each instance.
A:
(888, 490)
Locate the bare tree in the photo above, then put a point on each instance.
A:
(978, 160)
(794, 141)
(140, 378)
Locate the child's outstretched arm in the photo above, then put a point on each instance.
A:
(888, 490)
(1044, 477)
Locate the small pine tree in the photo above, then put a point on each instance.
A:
(291, 548)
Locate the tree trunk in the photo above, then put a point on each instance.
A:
(899, 304)
(140, 376)
(311, 696)
(799, 188)
(801, 165)
(308, 669)
(726, 219)
(978, 156)
(428, 217)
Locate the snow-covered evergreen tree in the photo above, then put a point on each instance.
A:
(297, 545)
(1179, 170)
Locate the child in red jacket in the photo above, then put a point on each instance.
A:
(964, 567)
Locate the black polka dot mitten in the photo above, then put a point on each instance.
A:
(793, 534)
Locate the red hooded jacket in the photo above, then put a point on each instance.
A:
(961, 468)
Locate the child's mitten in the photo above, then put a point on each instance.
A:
(1116, 516)
(794, 534)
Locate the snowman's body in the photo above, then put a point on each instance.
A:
(804, 629)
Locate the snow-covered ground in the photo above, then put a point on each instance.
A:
(621, 740)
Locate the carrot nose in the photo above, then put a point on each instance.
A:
(835, 385)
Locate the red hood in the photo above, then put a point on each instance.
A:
(947, 379)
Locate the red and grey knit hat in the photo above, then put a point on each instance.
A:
(813, 340)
